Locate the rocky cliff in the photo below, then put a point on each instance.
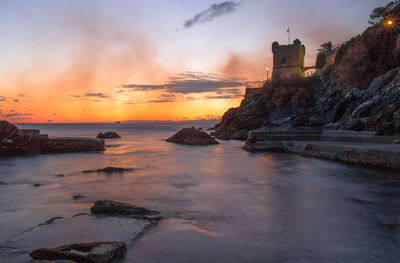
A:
(359, 89)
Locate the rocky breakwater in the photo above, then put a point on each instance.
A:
(192, 136)
(14, 142)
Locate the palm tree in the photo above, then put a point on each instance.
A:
(327, 49)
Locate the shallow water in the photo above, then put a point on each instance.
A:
(220, 202)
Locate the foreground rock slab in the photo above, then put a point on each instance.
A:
(95, 252)
(192, 136)
(80, 228)
(114, 208)
(108, 135)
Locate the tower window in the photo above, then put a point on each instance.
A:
(283, 60)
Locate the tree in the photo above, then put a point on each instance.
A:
(327, 49)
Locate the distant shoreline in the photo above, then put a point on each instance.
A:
(123, 122)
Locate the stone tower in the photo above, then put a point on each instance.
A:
(288, 60)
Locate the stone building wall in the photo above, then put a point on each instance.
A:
(288, 60)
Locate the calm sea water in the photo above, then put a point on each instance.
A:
(221, 203)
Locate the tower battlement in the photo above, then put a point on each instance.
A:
(288, 60)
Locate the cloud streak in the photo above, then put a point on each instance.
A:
(192, 82)
(214, 11)
(97, 95)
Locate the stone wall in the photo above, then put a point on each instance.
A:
(288, 60)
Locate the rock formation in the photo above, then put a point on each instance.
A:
(14, 142)
(192, 136)
(114, 208)
(108, 135)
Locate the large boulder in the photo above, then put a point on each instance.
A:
(108, 135)
(95, 252)
(192, 136)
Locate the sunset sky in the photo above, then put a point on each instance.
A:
(117, 60)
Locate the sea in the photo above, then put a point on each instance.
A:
(220, 203)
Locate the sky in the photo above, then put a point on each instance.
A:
(103, 61)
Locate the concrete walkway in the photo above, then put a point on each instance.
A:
(351, 147)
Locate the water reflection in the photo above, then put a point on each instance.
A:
(221, 203)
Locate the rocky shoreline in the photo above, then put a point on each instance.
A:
(357, 89)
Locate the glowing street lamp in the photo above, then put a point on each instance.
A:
(389, 22)
(267, 69)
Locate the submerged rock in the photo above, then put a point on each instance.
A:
(77, 197)
(94, 252)
(109, 170)
(108, 135)
(192, 136)
(114, 208)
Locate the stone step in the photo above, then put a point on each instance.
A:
(334, 136)
(286, 132)
(268, 146)
(290, 138)
(346, 133)
(375, 155)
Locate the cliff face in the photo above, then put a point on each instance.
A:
(358, 90)
(278, 103)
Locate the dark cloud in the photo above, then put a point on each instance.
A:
(74, 96)
(10, 115)
(215, 10)
(232, 91)
(16, 100)
(192, 82)
(149, 101)
(3, 98)
(214, 97)
(169, 96)
(161, 101)
(14, 114)
(97, 95)
(229, 93)
(21, 95)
